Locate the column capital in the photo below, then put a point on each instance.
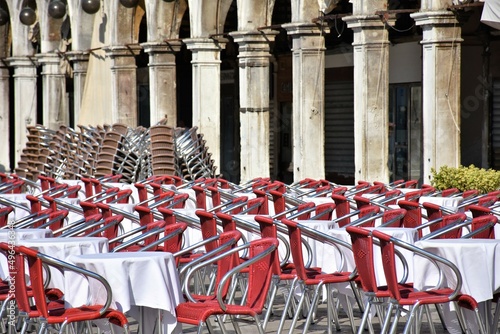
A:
(204, 44)
(358, 22)
(122, 50)
(439, 17)
(304, 29)
(438, 27)
(27, 61)
(255, 45)
(78, 56)
(254, 37)
(162, 47)
(48, 58)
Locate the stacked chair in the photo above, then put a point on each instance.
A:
(193, 159)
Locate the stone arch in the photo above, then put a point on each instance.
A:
(254, 14)
(21, 43)
(164, 19)
(202, 23)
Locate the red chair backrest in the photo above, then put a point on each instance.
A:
(4, 215)
(342, 208)
(173, 245)
(295, 238)
(260, 273)
(413, 216)
(268, 230)
(479, 210)
(325, 211)
(368, 210)
(433, 211)
(361, 201)
(208, 228)
(362, 249)
(389, 263)
(481, 221)
(450, 220)
(395, 216)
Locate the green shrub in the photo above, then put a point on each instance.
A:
(466, 178)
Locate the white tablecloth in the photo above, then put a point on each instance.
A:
(63, 248)
(476, 259)
(18, 213)
(17, 236)
(446, 202)
(327, 256)
(141, 279)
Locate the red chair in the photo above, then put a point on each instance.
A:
(307, 279)
(342, 209)
(4, 215)
(226, 242)
(483, 227)
(51, 313)
(417, 299)
(446, 227)
(413, 216)
(363, 251)
(261, 254)
(150, 240)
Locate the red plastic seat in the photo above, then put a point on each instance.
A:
(308, 279)
(51, 312)
(363, 251)
(483, 227)
(4, 215)
(261, 253)
(419, 298)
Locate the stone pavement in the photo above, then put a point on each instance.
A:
(247, 325)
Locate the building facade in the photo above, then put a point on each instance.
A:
(336, 89)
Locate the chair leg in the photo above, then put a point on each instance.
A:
(259, 325)
(272, 296)
(364, 318)
(429, 319)
(387, 319)
(496, 318)
(313, 303)
(287, 306)
(411, 318)
(480, 322)
(299, 308)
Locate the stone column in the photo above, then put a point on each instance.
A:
(254, 61)
(54, 106)
(162, 81)
(308, 128)
(441, 43)
(80, 62)
(371, 97)
(25, 100)
(206, 91)
(124, 83)
(4, 116)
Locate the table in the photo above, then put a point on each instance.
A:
(63, 248)
(139, 280)
(447, 202)
(476, 260)
(327, 256)
(17, 236)
(18, 212)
